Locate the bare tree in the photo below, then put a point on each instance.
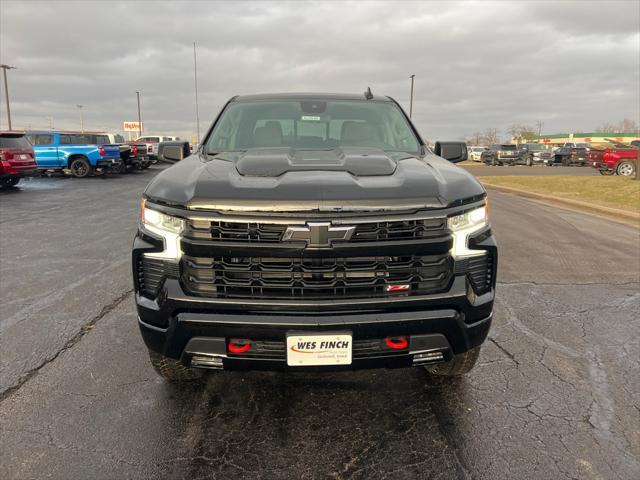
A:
(474, 139)
(491, 136)
(625, 125)
(521, 133)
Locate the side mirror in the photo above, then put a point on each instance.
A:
(453, 151)
(172, 152)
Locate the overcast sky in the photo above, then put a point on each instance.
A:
(572, 65)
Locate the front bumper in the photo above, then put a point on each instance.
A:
(172, 319)
(445, 331)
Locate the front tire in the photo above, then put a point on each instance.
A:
(172, 370)
(626, 169)
(529, 162)
(80, 168)
(459, 365)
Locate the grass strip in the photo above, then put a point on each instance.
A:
(614, 191)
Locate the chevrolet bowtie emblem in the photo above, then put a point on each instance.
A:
(321, 234)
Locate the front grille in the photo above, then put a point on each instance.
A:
(318, 278)
(263, 232)
(151, 273)
(276, 350)
(480, 272)
(400, 230)
(235, 231)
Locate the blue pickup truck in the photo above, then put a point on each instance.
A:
(80, 153)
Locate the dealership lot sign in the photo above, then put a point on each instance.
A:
(133, 126)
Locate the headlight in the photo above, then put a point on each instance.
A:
(463, 225)
(162, 221)
(166, 226)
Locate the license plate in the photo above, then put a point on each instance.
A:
(318, 349)
(23, 157)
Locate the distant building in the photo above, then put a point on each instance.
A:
(594, 138)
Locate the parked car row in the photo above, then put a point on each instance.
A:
(79, 154)
(617, 159)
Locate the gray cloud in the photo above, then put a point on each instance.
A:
(572, 65)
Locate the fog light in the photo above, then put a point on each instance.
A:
(427, 357)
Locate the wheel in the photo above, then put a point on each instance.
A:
(171, 370)
(9, 181)
(122, 168)
(529, 162)
(607, 172)
(461, 364)
(626, 169)
(80, 167)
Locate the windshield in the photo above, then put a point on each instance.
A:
(508, 147)
(312, 125)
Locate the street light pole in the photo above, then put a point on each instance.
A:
(411, 100)
(6, 90)
(195, 76)
(139, 118)
(81, 119)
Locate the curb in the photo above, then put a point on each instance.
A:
(576, 204)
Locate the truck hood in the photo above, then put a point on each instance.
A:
(288, 180)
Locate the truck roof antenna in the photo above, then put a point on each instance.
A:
(367, 94)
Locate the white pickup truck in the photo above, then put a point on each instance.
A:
(153, 141)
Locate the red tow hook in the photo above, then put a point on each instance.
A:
(397, 343)
(239, 346)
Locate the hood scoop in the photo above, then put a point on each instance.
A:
(273, 162)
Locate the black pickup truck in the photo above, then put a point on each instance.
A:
(314, 232)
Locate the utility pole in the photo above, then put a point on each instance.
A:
(50, 123)
(6, 90)
(80, 107)
(195, 77)
(139, 117)
(539, 124)
(411, 100)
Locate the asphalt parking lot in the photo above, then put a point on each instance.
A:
(556, 393)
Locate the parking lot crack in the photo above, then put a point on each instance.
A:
(504, 350)
(84, 329)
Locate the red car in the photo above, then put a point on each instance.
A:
(16, 158)
(622, 160)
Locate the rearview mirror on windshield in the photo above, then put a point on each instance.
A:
(453, 151)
